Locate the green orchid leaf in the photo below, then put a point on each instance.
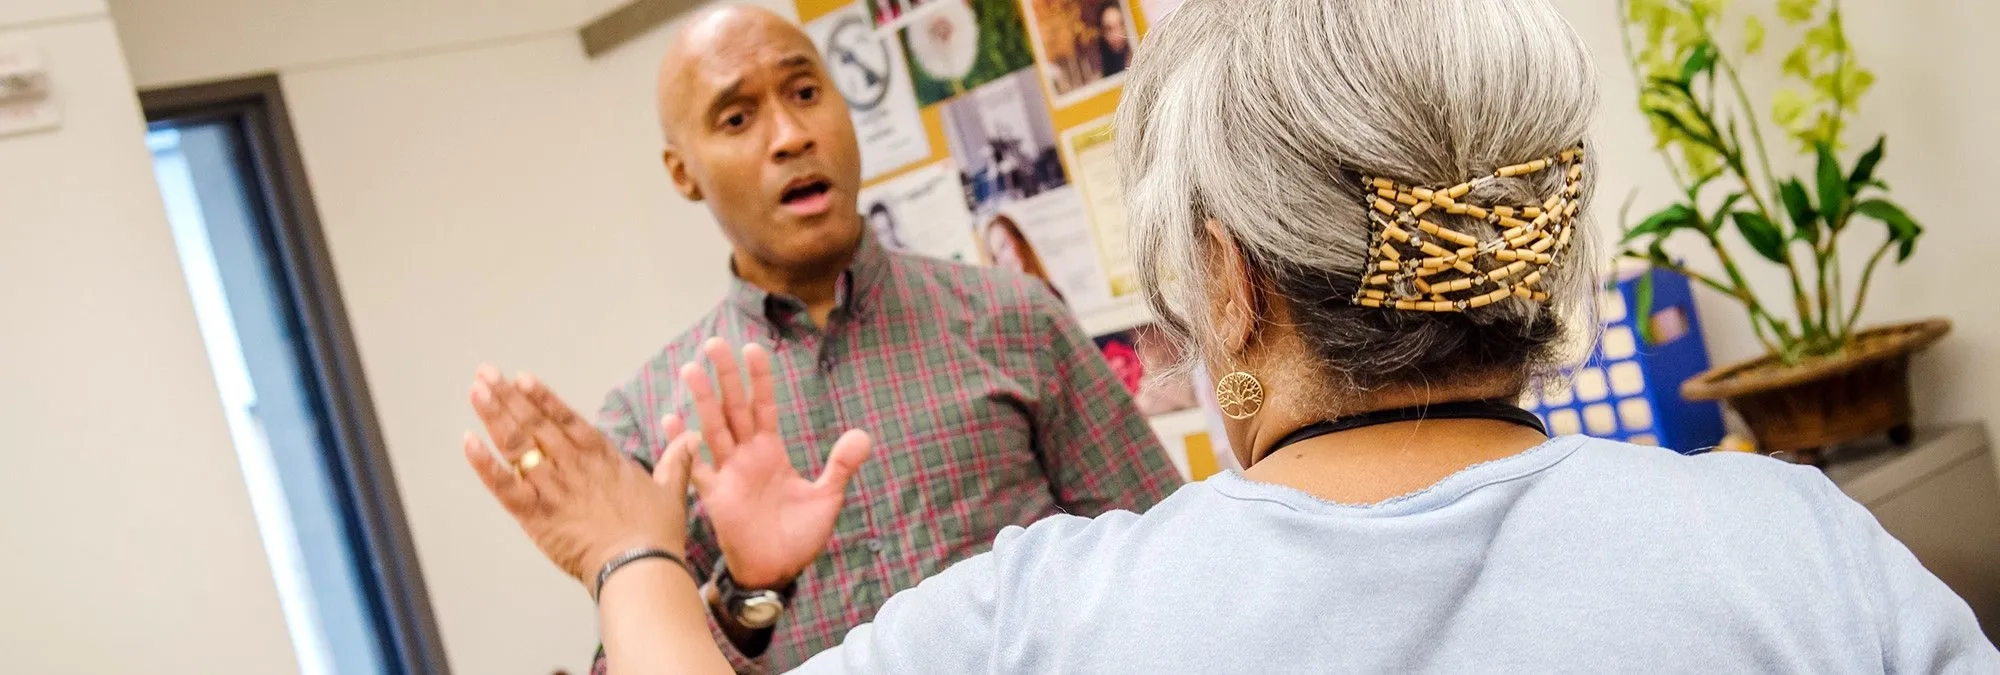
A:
(1682, 127)
(1902, 229)
(1864, 169)
(1762, 235)
(1698, 62)
(1664, 222)
(1797, 204)
(1642, 302)
(1667, 91)
(1715, 224)
(1833, 191)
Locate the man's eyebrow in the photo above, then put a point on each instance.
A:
(734, 89)
(728, 93)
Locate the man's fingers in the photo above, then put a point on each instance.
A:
(671, 428)
(729, 378)
(581, 435)
(513, 493)
(674, 465)
(700, 472)
(763, 390)
(846, 458)
(708, 412)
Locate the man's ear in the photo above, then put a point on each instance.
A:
(1234, 289)
(677, 170)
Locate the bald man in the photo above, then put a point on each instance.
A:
(989, 406)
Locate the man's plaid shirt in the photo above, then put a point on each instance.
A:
(989, 406)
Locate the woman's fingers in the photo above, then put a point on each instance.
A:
(541, 431)
(763, 389)
(581, 435)
(708, 412)
(518, 496)
(846, 458)
(513, 439)
(729, 378)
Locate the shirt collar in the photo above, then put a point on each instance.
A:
(853, 293)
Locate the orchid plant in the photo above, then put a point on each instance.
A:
(1711, 137)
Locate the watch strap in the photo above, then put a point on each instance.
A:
(726, 588)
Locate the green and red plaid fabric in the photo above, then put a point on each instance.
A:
(989, 405)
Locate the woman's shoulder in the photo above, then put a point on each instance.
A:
(1735, 474)
(1067, 541)
(1725, 495)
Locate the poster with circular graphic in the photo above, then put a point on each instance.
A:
(869, 69)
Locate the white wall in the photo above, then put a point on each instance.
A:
(1940, 161)
(129, 545)
(488, 194)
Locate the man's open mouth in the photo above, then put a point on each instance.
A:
(805, 190)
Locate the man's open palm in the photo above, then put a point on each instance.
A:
(770, 520)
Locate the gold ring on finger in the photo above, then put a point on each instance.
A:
(529, 460)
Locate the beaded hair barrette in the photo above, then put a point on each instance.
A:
(1415, 264)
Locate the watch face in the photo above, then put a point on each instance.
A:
(760, 610)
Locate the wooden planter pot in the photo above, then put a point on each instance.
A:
(1803, 409)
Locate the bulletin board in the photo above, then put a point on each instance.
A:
(985, 138)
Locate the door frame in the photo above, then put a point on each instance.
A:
(371, 508)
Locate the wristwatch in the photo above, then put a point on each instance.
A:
(756, 609)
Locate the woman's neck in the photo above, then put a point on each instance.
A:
(1375, 463)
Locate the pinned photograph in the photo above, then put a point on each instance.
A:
(957, 45)
(1084, 45)
(922, 213)
(1004, 142)
(1048, 238)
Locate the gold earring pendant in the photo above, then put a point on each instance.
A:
(1240, 395)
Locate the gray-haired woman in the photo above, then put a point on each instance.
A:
(1368, 215)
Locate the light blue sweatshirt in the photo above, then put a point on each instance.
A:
(1580, 555)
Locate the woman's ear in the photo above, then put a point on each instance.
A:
(1233, 289)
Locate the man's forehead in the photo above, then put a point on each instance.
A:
(736, 60)
(729, 46)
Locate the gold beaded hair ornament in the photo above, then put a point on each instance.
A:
(1415, 264)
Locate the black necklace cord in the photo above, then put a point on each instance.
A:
(1487, 409)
